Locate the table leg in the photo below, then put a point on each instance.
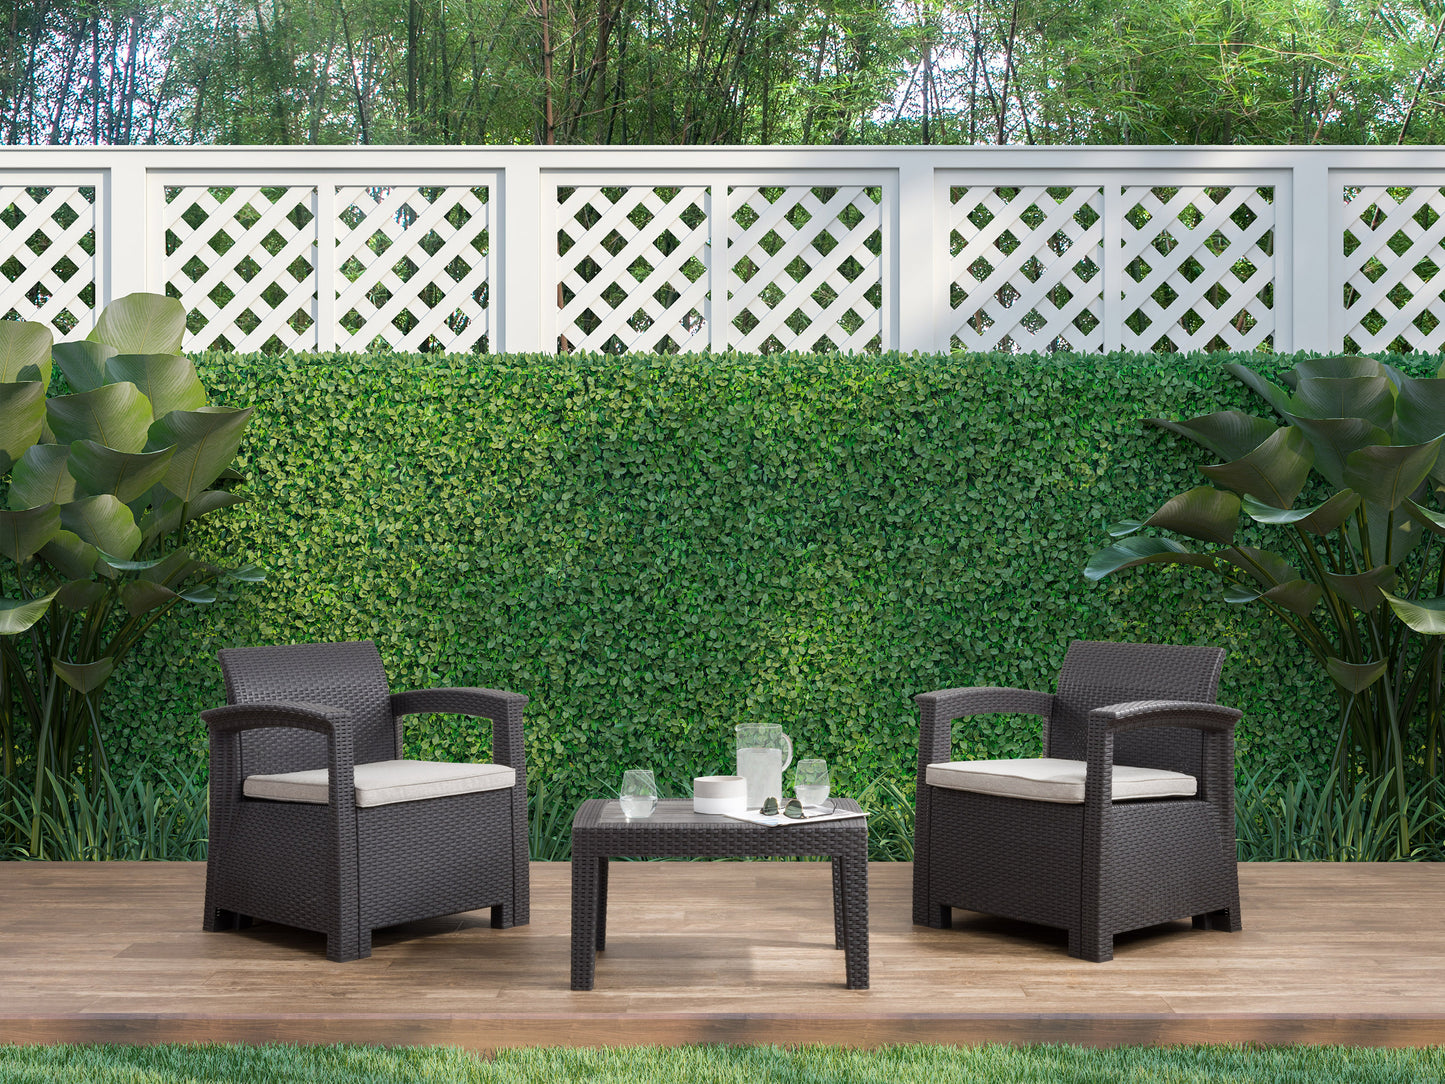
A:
(837, 902)
(585, 929)
(853, 871)
(602, 864)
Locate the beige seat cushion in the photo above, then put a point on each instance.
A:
(1049, 779)
(384, 782)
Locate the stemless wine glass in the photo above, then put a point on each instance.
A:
(810, 782)
(639, 793)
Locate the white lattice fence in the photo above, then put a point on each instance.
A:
(805, 267)
(47, 256)
(1199, 268)
(1024, 268)
(632, 268)
(243, 262)
(414, 267)
(1394, 293)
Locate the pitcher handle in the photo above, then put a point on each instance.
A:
(788, 757)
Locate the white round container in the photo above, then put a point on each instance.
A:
(719, 794)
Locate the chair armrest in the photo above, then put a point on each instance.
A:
(937, 711)
(1139, 714)
(504, 709)
(297, 714)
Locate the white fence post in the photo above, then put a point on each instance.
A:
(526, 247)
(914, 258)
(1312, 313)
(127, 253)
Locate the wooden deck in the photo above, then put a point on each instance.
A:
(723, 952)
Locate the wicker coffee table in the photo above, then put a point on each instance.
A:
(600, 832)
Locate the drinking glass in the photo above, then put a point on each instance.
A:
(810, 782)
(638, 794)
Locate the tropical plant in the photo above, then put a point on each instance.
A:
(1363, 569)
(100, 485)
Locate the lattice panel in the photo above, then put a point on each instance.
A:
(415, 268)
(243, 262)
(1394, 293)
(1199, 268)
(632, 268)
(805, 268)
(47, 256)
(1024, 266)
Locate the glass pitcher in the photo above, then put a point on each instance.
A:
(763, 752)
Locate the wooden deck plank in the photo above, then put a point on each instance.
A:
(721, 952)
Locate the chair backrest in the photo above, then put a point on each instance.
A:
(1096, 674)
(348, 676)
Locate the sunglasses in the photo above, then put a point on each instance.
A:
(793, 810)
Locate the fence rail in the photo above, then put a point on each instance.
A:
(748, 248)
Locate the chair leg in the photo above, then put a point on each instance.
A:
(1095, 946)
(218, 918)
(1226, 920)
(348, 945)
(502, 916)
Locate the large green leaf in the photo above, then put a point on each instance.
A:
(1229, 434)
(1203, 513)
(1319, 519)
(169, 381)
(73, 558)
(42, 476)
(1271, 392)
(116, 415)
(1297, 596)
(142, 596)
(1365, 591)
(1275, 472)
(1265, 568)
(1333, 439)
(167, 517)
(24, 352)
(84, 677)
(103, 521)
(1419, 408)
(80, 595)
(1371, 398)
(126, 475)
(1388, 476)
(18, 615)
(1434, 522)
(83, 363)
(142, 324)
(1338, 366)
(1355, 677)
(1425, 615)
(24, 532)
(1141, 550)
(206, 441)
(22, 418)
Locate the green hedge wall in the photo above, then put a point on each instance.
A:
(655, 549)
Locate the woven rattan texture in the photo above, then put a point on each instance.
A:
(335, 868)
(1095, 869)
(600, 833)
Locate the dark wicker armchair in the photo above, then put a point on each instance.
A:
(1078, 840)
(317, 822)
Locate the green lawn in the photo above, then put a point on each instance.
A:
(719, 1065)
